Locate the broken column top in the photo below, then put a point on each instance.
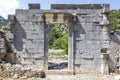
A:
(79, 6)
(34, 6)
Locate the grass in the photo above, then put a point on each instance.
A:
(57, 53)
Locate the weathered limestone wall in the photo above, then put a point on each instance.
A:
(2, 48)
(114, 54)
(28, 29)
(91, 39)
(88, 39)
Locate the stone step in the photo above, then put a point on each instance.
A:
(59, 72)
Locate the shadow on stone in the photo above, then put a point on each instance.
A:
(57, 66)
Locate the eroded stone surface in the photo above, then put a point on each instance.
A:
(88, 34)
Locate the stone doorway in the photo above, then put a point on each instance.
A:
(57, 46)
(61, 18)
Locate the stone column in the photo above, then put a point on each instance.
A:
(70, 46)
(45, 46)
(71, 42)
(105, 39)
(104, 64)
(105, 50)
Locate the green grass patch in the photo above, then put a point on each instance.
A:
(57, 53)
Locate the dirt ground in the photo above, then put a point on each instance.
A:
(79, 77)
(71, 77)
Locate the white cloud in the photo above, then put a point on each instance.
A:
(8, 7)
(89, 1)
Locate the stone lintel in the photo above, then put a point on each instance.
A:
(57, 17)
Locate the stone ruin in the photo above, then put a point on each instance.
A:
(91, 45)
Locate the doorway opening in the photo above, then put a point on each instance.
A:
(58, 46)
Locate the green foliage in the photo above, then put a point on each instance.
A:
(3, 22)
(114, 18)
(53, 35)
(58, 38)
(64, 43)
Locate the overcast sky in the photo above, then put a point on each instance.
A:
(9, 6)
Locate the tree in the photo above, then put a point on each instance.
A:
(114, 18)
(58, 36)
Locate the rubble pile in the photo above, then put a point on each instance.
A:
(16, 71)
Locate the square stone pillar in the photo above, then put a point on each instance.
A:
(104, 64)
(70, 46)
(45, 46)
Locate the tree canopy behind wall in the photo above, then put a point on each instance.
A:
(58, 36)
(114, 18)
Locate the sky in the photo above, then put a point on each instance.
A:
(9, 6)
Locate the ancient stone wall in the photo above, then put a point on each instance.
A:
(2, 48)
(114, 54)
(88, 39)
(88, 36)
(91, 39)
(28, 29)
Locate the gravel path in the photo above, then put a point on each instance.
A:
(71, 77)
(79, 77)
